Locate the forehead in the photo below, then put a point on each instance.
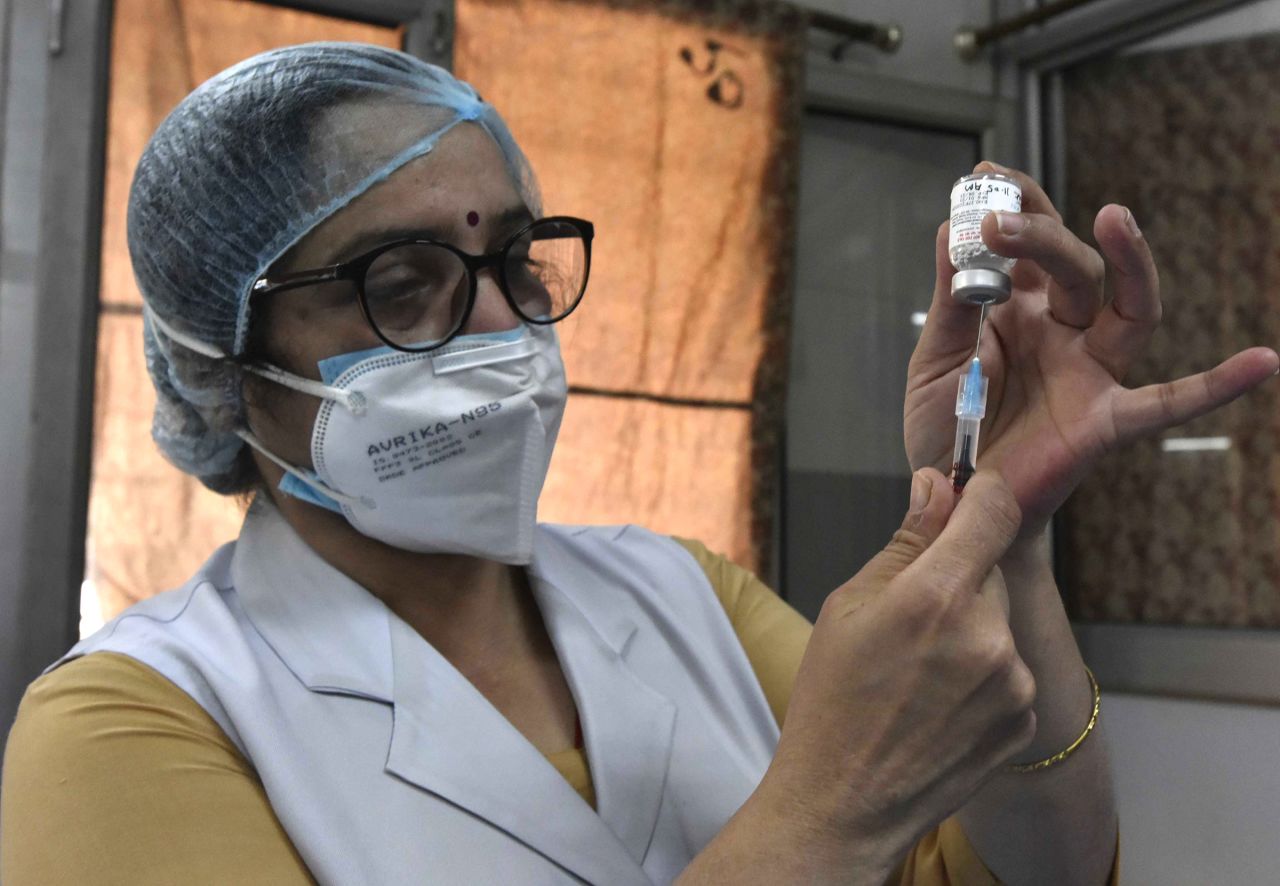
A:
(465, 172)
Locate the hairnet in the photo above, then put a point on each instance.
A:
(241, 169)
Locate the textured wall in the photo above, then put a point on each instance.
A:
(1191, 536)
(1187, 139)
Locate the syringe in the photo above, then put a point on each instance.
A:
(971, 406)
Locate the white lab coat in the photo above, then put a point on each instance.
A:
(386, 766)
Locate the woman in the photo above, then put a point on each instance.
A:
(395, 676)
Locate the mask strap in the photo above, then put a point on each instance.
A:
(353, 401)
(191, 344)
(314, 483)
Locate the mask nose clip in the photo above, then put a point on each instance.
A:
(472, 357)
(356, 403)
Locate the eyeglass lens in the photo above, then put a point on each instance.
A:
(417, 293)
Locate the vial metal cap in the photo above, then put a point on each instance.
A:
(978, 286)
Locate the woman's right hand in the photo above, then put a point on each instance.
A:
(911, 692)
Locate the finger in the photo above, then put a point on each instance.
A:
(1153, 408)
(1034, 199)
(1076, 270)
(1123, 328)
(983, 525)
(932, 501)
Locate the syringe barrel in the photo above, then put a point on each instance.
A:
(966, 451)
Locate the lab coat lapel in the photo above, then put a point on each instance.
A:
(446, 738)
(330, 632)
(627, 725)
(449, 740)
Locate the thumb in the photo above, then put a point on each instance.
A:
(985, 523)
(932, 501)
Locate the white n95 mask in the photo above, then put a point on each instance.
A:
(439, 452)
(445, 451)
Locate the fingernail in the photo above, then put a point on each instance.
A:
(1010, 223)
(1132, 223)
(921, 491)
(994, 165)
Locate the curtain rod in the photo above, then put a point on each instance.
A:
(886, 37)
(969, 42)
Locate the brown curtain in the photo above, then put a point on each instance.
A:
(674, 127)
(1190, 140)
(151, 526)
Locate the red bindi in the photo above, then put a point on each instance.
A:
(473, 218)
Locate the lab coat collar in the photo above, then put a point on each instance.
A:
(628, 726)
(328, 630)
(551, 563)
(451, 741)
(335, 636)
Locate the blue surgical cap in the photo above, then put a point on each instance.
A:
(241, 170)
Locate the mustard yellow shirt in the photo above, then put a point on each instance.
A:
(112, 774)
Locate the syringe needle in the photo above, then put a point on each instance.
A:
(982, 321)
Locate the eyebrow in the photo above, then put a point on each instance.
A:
(509, 219)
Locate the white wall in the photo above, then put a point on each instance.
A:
(1199, 791)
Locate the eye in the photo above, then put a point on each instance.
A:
(411, 292)
(396, 280)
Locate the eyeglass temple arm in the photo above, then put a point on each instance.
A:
(265, 285)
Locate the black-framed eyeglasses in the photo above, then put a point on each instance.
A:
(417, 294)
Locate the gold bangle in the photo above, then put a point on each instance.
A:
(1075, 745)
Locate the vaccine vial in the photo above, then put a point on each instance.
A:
(982, 277)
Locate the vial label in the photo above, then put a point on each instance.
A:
(971, 200)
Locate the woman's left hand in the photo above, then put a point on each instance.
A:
(1056, 354)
